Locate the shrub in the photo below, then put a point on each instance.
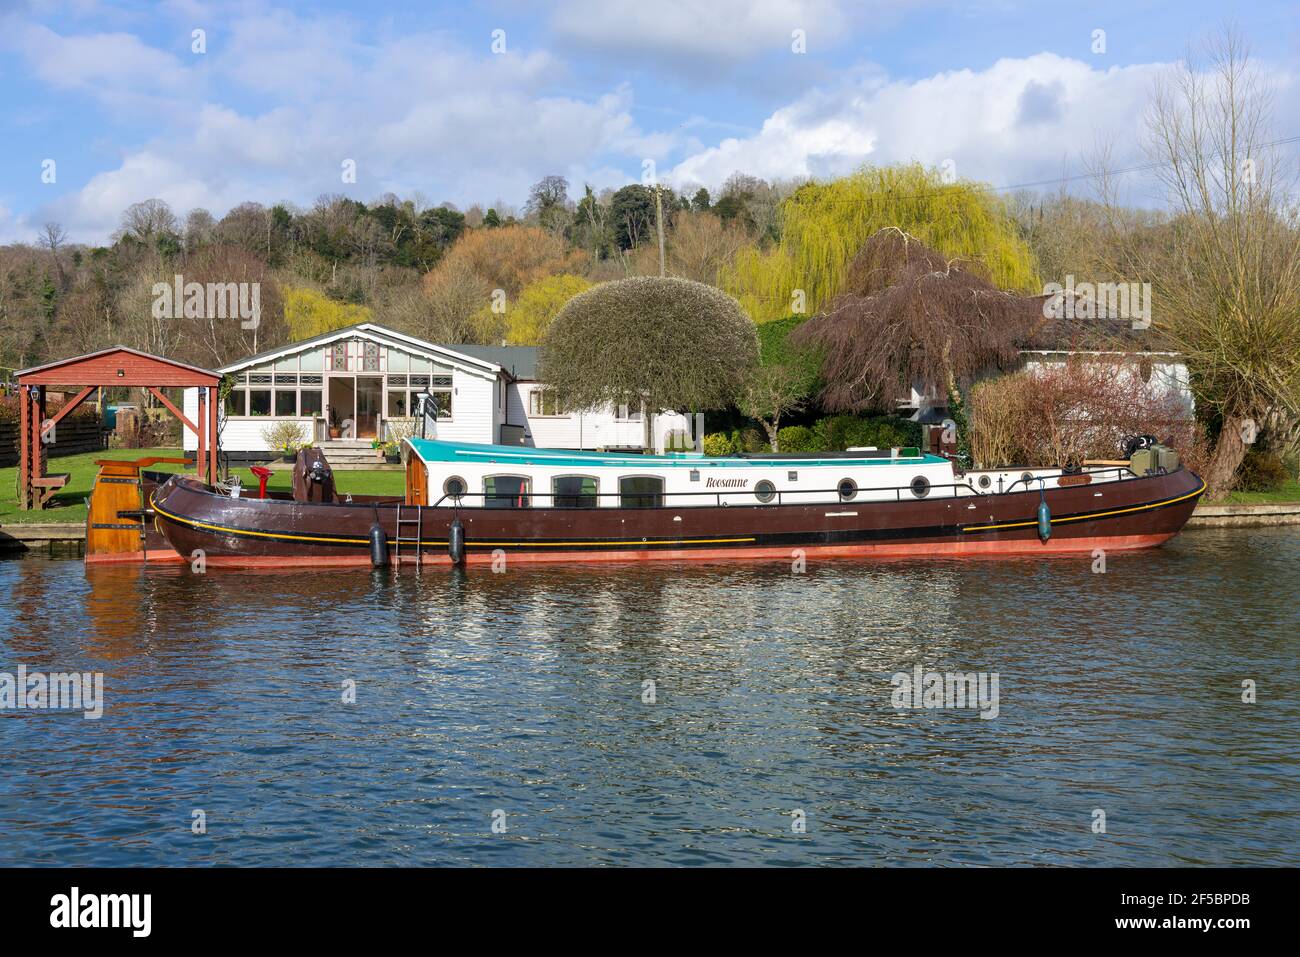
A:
(1072, 412)
(799, 438)
(748, 440)
(139, 432)
(9, 410)
(718, 443)
(884, 432)
(1261, 472)
(286, 437)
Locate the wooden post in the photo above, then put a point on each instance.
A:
(24, 451)
(200, 460)
(212, 433)
(38, 446)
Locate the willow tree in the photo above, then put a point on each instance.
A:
(907, 315)
(523, 321)
(823, 225)
(1226, 280)
(671, 343)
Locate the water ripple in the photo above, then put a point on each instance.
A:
(522, 696)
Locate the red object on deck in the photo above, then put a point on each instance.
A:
(262, 473)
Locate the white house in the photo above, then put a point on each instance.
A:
(360, 383)
(1130, 353)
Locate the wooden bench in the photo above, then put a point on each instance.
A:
(49, 484)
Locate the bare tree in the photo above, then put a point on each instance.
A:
(199, 228)
(701, 244)
(148, 219)
(53, 236)
(1226, 283)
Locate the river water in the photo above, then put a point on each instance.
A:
(663, 714)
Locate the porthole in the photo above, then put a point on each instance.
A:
(1026, 477)
(454, 487)
(985, 481)
(848, 490)
(765, 491)
(920, 486)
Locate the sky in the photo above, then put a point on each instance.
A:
(210, 104)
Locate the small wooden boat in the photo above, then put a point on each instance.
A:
(477, 503)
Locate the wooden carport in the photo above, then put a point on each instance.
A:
(118, 366)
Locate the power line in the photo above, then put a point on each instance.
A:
(982, 188)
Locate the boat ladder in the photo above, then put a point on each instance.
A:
(407, 540)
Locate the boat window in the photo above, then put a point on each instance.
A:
(765, 491)
(573, 491)
(454, 487)
(505, 491)
(848, 490)
(985, 481)
(641, 491)
(920, 486)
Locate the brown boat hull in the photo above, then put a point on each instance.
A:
(247, 532)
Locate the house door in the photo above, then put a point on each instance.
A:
(342, 405)
(370, 395)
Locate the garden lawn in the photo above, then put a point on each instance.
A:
(1290, 492)
(69, 504)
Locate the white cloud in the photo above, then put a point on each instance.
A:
(99, 62)
(726, 30)
(413, 112)
(1012, 122)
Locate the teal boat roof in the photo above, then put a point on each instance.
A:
(436, 450)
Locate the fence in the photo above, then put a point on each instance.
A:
(71, 437)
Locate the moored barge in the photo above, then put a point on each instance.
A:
(476, 503)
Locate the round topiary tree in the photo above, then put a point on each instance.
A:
(674, 343)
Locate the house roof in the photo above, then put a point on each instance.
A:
(378, 333)
(1093, 335)
(119, 365)
(519, 361)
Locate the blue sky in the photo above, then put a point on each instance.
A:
(414, 93)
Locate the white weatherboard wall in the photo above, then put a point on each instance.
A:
(473, 418)
(1169, 375)
(586, 430)
(236, 435)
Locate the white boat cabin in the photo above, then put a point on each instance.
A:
(455, 474)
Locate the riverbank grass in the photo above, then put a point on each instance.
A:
(69, 504)
(1290, 492)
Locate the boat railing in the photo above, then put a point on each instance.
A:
(860, 495)
(1028, 479)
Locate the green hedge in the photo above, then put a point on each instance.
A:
(839, 432)
(831, 434)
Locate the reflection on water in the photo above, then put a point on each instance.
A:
(525, 693)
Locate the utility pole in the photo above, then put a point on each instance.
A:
(659, 222)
